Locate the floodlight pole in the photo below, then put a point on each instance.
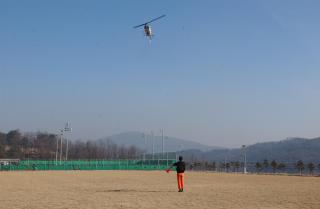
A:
(245, 159)
(144, 152)
(67, 149)
(152, 145)
(57, 149)
(145, 146)
(67, 128)
(61, 138)
(162, 142)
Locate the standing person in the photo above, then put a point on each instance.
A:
(180, 168)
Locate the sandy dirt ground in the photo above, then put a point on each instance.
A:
(155, 189)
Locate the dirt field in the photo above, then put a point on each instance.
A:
(155, 189)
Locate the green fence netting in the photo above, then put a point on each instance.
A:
(147, 164)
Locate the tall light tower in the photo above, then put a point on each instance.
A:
(61, 138)
(161, 130)
(145, 146)
(152, 145)
(57, 149)
(244, 158)
(67, 128)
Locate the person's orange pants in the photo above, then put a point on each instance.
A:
(180, 179)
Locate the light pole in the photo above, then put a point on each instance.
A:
(244, 159)
(61, 138)
(161, 130)
(145, 146)
(67, 128)
(57, 150)
(144, 152)
(152, 145)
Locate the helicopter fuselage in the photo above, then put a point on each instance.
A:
(147, 31)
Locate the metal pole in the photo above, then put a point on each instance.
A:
(67, 149)
(145, 143)
(57, 150)
(61, 145)
(67, 128)
(167, 160)
(145, 147)
(162, 143)
(152, 145)
(245, 159)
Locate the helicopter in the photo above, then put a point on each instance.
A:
(147, 27)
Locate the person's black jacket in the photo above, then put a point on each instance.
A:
(180, 166)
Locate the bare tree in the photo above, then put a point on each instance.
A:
(311, 168)
(258, 166)
(214, 166)
(265, 164)
(281, 166)
(274, 165)
(300, 166)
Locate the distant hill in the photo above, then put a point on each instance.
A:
(289, 150)
(293, 149)
(145, 141)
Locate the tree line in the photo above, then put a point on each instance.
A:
(43, 146)
(259, 167)
(300, 166)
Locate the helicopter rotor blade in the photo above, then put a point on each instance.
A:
(149, 21)
(156, 19)
(139, 25)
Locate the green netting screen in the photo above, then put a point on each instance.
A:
(146, 164)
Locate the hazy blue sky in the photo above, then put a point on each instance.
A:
(222, 73)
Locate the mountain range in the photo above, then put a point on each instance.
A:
(148, 142)
(288, 150)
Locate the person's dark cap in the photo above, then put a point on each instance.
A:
(180, 158)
